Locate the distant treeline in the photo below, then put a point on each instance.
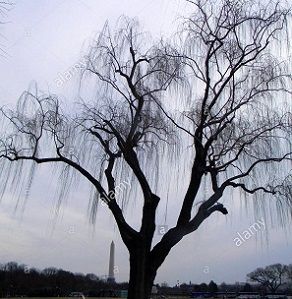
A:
(212, 290)
(185, 289)
(19, 280)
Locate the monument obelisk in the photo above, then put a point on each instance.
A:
(111, 272)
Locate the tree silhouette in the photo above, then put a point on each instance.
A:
(50, 282)
(215, 86)
(213, 288)
(271, 277)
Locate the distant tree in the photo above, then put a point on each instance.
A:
(184, 286)
(11, 267)
(289, 276)
(212, 101)
(223, 287)
(204, 287)
(164, 284)
(213, 288)
(247, 288)
(196, 288)
(49, 282)
(271, 277)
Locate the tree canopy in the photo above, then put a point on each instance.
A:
(209, 109)
(271, 277)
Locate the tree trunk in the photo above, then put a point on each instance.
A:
(142, 275)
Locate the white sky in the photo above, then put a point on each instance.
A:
(42, 40)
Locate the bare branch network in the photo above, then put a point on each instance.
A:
(218, 88)
(271, 277)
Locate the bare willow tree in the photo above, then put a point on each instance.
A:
(271, 277)
(217, 86)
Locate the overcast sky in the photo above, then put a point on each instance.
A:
(42, 40)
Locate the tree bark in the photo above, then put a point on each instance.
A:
(142, 274)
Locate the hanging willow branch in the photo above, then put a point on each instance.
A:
(218, 89)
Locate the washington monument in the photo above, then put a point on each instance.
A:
(111, 273)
